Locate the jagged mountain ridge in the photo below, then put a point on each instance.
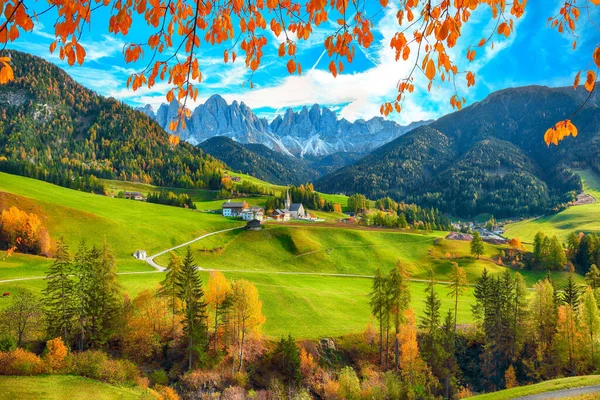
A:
(489, 157)
(315, 132)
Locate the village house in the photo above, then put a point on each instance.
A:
(253, 225)
(133, 195)
(250, 213)
(281, 215)
(140, 254)
(234, 209)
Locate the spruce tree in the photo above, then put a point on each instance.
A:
(432, 349)
(477, 248)
(168, 286)
(82, 270)
(379, 307)
(398, 294)
(571, 293)
(191, 295)
(59, 294)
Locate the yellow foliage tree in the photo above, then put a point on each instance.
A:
(56, 354)
(247, 316)
(217, 292)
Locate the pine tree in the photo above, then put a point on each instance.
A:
(379, 307)
(398, 294)
(168, 286)
(458, 285)
(82, 269)
(102, 298)
(191, 294)
(482, 298)
(557, 256)
(477, 248)
(571, 293)
(59, 294)
(432, 349)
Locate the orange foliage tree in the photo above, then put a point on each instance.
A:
(23, 232)
(427, 30)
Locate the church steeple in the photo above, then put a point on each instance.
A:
(288, 201)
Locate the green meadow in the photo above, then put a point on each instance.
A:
(288, 263)
(583, 218)
(58, 387)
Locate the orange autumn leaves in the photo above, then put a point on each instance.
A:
(566, 128)
(6, 72)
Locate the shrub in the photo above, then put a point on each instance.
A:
(234, 393)
(97, 365)
(20, 362)
(167, 393)
(159, 377)
(349, 384)
(7, 343)
(56, 352)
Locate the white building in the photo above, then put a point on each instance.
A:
(140, 254)
(234, 209)
(250, 213)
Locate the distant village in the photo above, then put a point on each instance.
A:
(291, 211)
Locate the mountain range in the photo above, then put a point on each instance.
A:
(315, 132)
(489, 157)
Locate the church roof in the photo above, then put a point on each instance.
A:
(295, 207)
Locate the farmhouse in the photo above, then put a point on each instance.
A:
(251, 213)
(281, 215)
(234, 209)
(133, 195)
(140, 254)
(253, 225)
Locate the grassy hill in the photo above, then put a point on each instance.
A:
(276, 259)
(581, 218)
(58, 387)
(128, 225)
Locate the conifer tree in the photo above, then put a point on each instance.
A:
(458, 286)
(398, 294)
(593, 277)
(59, 295)
(432, 350)
(482, 298)
(571, 293)
(82, 269)
(378, 304)
(477, 248)
(168, 286)
(191, 295)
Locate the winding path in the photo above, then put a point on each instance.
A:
(150, 260)
(562, 394)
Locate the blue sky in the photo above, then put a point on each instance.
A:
(534, 54)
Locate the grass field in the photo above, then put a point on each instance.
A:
(59, 387)
(543, 387)
(583, 218)
(128, 225)
(307, 306)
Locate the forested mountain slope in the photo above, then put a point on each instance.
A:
(489, 157)
(57, 130)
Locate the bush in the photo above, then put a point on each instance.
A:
(97, 365)
(349, 384)
(159, 377)
(167, 393)
(7, 343)
(56, 352)
(21, 362)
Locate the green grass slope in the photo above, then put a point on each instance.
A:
(127, 225)
(583, 218)
(543, 387)
(59, 387)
